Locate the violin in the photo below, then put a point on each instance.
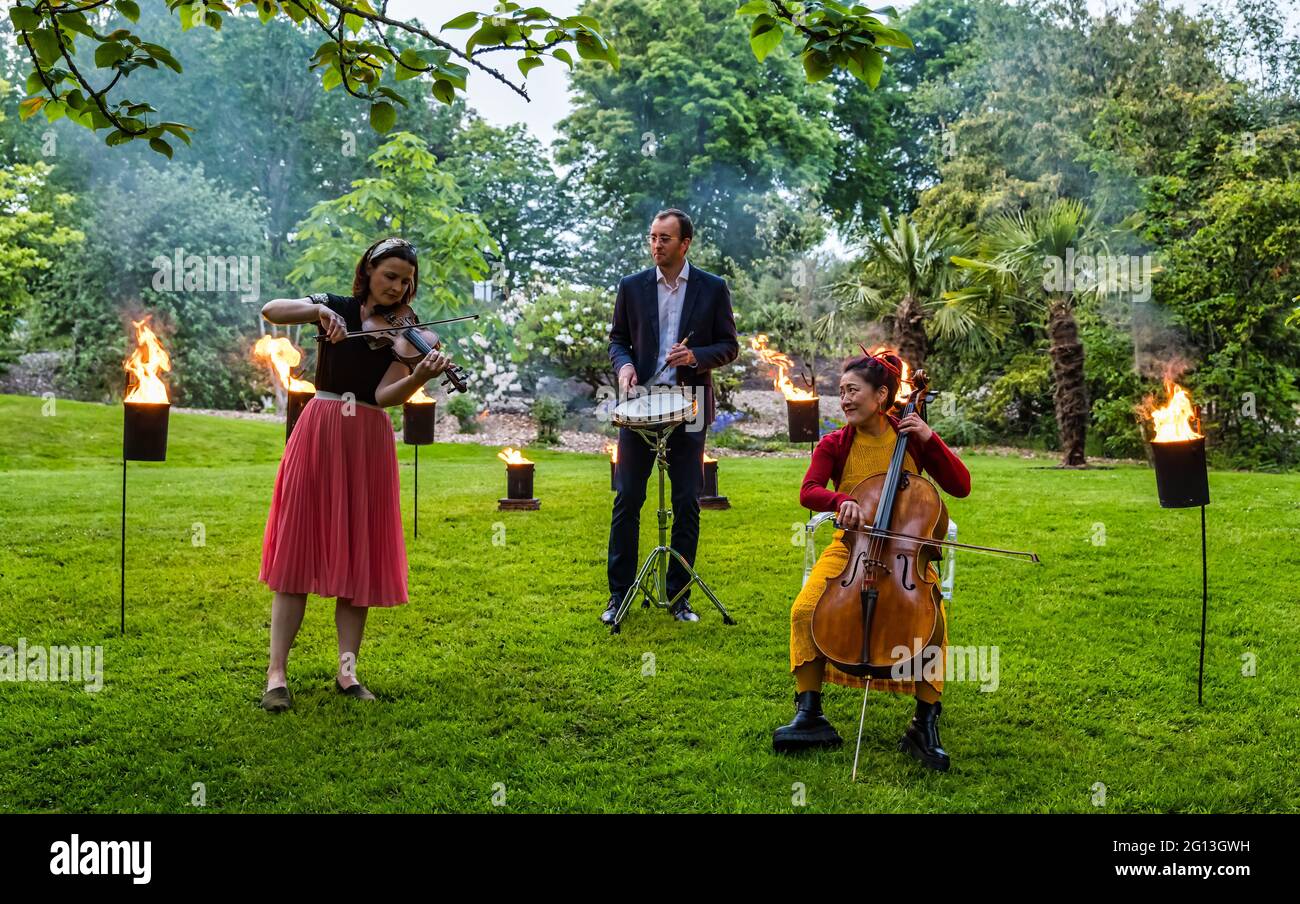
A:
(398, 329)
(880, 614)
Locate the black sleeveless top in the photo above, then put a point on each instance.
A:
(351, 365)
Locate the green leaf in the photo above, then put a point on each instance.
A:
(765, 36)
(444, 91)
(753, 8)
(467, 20)
(24, 18)
(161, 54)
(817, 65)
(116, 137)
(872, 67)
(528, 64)
(409, 65)
(890, 37)
(109, 53)
(331, 79)
(45, 44)
(563, 56)
(161, 147)
(55, 110)
(383, 116)
(488, 36)
(129, 9)
(76, 21)
(179, 129)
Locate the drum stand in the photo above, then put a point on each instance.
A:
(652, 578)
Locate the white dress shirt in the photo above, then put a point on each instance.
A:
(671, 298)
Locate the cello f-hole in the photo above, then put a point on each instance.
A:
(906, 569)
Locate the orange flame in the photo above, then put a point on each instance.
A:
(513, 456)
(611, 449)
(420, 398)
(1173, 420)
(144, 364)
(708, 458)
(905, 379)
(281, 354)
(483, 415)
(783, 364)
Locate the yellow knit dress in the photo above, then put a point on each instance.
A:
(867, 456)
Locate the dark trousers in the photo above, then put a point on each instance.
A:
(636, 465)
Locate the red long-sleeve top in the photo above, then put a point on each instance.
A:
(832, 452)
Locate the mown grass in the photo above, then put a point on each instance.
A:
(497, 672)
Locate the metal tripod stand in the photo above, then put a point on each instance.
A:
(652, 578)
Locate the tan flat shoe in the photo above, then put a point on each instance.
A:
(358, 690)
(277, 700)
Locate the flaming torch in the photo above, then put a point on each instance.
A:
(419, 416)
(709, 498)
(612, 450)
(519, 482)
(281, 355)
(145, 411)
(1178, 451)
(1182, 481)
(146, 405)
(803, 409)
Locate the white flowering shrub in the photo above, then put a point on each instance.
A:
(569, 330)
(487, 353)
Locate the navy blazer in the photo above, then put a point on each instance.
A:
(706, 314)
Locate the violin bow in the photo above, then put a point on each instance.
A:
(404, 326)
(951, 544)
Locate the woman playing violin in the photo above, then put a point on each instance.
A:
(335, 525)
(863, 447)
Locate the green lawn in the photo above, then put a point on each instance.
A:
(498, 672)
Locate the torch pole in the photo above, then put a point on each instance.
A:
(1205, 597)
(123, 566)
(417, 492)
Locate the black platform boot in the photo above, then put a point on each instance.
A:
(809, 728)
(921, 739)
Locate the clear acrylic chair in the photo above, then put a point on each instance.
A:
(947, 567)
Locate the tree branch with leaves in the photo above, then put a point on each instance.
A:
(356, 55)
(836, 36)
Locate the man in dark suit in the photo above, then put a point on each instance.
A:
(655, 309)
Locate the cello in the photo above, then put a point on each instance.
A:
(880, 616)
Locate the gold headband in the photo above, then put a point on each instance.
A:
(388, 244)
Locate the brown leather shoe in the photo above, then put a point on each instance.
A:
(277, 700)
(358, 690)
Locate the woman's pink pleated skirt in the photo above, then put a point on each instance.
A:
(335, 527)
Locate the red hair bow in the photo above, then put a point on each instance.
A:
(883, 363)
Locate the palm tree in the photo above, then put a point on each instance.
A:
(1020, 266)
(916, 267)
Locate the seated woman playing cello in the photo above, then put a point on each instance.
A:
(863, 447)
